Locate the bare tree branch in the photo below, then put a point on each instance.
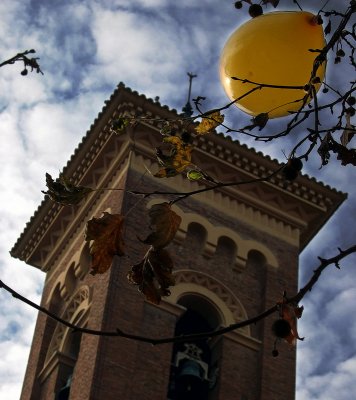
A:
(204, 335)
(27, 61)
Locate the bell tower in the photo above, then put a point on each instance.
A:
(234, 254)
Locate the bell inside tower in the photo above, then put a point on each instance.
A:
(193, 373)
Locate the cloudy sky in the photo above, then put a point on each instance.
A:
(86, 47)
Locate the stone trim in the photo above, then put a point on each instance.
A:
(56, 359)
(229, 307)
(282, 226)
(214, 233)
(195, 282)
(306, 204)
(76, 312)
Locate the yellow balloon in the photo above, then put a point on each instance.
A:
(272, 49)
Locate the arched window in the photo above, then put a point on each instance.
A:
(196, 238)
(256, 267)
(70, 282)
(256, 258)
(194, 364)
(69, 358)
(64, 347)
(226, 251)
(84, 261)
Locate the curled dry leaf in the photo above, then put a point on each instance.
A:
(165, 223)
(290, 313)
(106, 236)
(209, 123)
(259, 121)
(327, 29)
(63, 192)
(345, 155)
(153, 275)
(348, 132)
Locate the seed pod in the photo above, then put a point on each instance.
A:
(281, 328)
(255, 10)
(290, 173)
(351, 101)
(275, 353)
(296, 163)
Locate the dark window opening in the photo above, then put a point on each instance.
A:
(191, 370)
(67, 365)
(196, 237)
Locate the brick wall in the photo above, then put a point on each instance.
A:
(116, 368)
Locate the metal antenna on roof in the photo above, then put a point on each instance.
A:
(188, 109)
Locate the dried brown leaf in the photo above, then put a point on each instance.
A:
(291, 313)
(62, 191)
(346, 156)
(327, 29)
(348, 132)
(106, 236)
(153, 275)
(165, 223)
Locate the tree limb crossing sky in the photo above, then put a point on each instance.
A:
(86, 49)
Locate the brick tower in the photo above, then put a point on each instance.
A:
(235, 253)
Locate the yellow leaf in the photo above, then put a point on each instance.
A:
(175, 140)
(179, 158)
(209, 123)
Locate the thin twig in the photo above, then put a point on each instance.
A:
(204, 335)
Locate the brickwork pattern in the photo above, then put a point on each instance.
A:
(113, 368)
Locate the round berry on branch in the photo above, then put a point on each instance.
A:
(281, 328)
(255, 10)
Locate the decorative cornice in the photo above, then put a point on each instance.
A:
(209, 284)
(310, 201)
(281, 219)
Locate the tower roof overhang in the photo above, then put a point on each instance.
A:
(305, 203)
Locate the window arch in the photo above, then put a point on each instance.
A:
(194, 364)
(226, 251)
(55, 299)
(64, 346)
(256, 259)
(202, 306)
(256, 267)
(196, 237)
(69, 282)
(84, 260)
(223, 300)
(213, 233)
(76, 312)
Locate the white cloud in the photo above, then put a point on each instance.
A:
(86, 48)
(12, 367)
(337, 384)
(127, 44)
